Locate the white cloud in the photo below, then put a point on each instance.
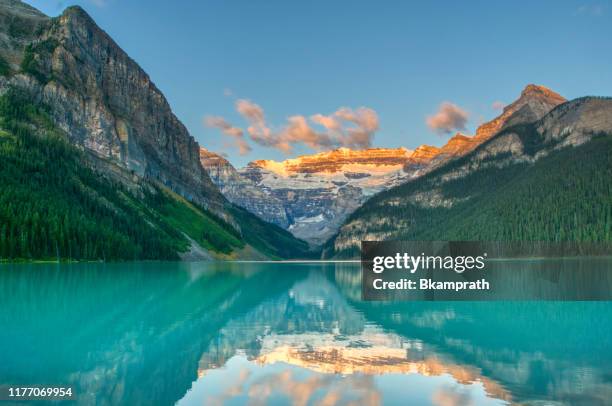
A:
(227, 129)
(447, 119)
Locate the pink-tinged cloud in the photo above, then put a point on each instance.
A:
(498, 105)
(228, 129)
(362, 125)
(448, 119)
(258, 129)
(251, 111)
(331, 123)
(343, 128)
(223, 125)
(298, 131)
(366, 125)
(363, 117)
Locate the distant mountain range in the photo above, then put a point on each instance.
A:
(312, 195)
(96, 166)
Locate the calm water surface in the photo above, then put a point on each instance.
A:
(239, 333)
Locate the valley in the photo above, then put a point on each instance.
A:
(311, 196)
(96, 166)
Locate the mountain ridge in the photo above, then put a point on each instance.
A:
(79, 86)
(442, 204)
(311, 195)
(330, 161)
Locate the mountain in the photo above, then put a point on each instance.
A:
(107, 104)
(310, 195)
(319, 191)
(67, 86)
(533, 103)
(541, 176)
(421, 158)
(241, 191)
(313, 194)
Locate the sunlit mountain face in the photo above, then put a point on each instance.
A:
(312, 194)
(339, 160)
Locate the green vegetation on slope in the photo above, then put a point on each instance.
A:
(565, 196)
(5, 69)
(270, 239)
(53, 206)
(33, 54)
(205, 228)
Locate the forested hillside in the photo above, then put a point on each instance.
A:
(54, 205)
(563, 196)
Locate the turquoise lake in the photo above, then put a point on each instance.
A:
(288, 333)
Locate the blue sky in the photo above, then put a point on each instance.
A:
(399, 59)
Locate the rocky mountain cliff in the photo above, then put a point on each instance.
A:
(242, 191)
(18, 24)
(66, 86)
(536, 178)
(101, 98)
(533, 103)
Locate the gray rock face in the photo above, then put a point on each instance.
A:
(18, 25)
(313, 214)
(103, 100)
(576, 122)
(242, 191)
(534, 103)
(311, 195)
(316, 214)
(319, 191)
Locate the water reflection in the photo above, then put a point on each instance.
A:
(228, 333)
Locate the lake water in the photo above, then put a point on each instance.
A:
(299, 334)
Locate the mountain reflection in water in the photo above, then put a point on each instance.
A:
(247, 333)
